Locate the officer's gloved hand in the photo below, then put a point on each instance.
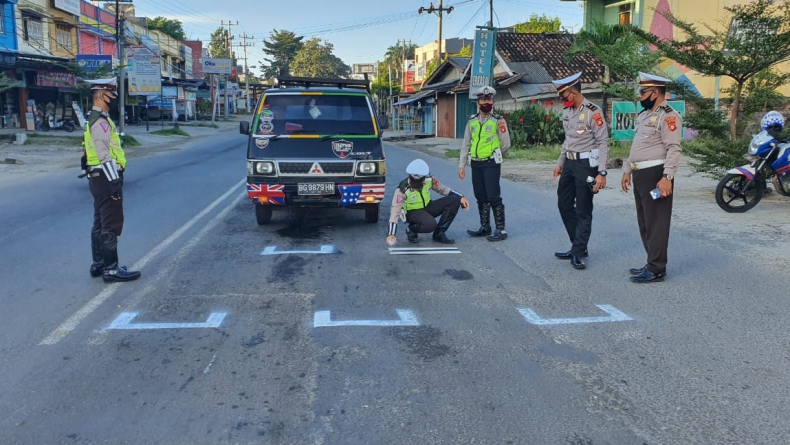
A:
(116, 190)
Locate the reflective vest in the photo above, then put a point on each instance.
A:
(417, 199)
(115, 145)
(484, 137)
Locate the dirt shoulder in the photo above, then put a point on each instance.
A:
(763, 232)
(53, 151)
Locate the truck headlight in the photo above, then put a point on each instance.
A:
(264, 168)
(366, 168)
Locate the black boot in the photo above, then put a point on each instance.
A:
(444, 223)
(111, 272)
(499, 220)
(485, 220)
(98, 260)
(411, 233)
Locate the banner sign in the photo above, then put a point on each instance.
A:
(217, 66)
(169, 92)
(624, 118)
(91, 62)
(60, 79)
(482, 60)
(143, 71)
(72, 6)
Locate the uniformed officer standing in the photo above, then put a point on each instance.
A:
(106, 162)
(652, 165)
(581, 166)
(413, 196)
(486, 140)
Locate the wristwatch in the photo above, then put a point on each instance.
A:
(602, 173)
(670, 177)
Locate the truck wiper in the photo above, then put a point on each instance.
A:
(345, 133)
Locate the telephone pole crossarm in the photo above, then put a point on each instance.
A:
(439, 11)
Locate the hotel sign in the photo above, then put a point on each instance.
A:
(482, 60)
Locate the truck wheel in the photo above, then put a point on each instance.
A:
(372, 213)
(263, 214)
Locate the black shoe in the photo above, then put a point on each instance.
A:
(637, 271)
(111, 272)
(96, 269)
(498, 235)
(412, 235)
(647, 277)
(567, 255)
(578, 263)
(448, 215)
(119, 275)
(440, 237)
(482, 231)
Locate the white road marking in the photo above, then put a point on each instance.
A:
(614, 315)
(421, 248)
(406, 318)
(124, 321)
(69, 325)
(424, 252)
(208, 367)
(272, 250)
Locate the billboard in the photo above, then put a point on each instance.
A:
(143, 71)
(624, 118)
(89, 62)
(217, 66)
(60, 79)
(482, 60)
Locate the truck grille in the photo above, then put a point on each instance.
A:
(303, 168)
(295, 167)
(337, 167)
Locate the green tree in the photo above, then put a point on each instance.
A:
(172, 27)
(759, 93)
(218, 44)
(758, 38)
(282, 49)
(7, 83)
(315, 59)
(539, 25)
(466, 51)
(395, 57)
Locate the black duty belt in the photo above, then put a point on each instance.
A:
(482, 159)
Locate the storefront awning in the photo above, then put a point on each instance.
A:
(415, 97)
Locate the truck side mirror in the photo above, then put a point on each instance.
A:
(244, 127)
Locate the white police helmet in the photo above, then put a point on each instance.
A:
(486, 92)
(418, 168)
(772, 118)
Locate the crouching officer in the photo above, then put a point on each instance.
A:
(487, 140)
(581, 166)
(105, 161)
(413, 196)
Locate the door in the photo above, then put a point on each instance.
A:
(465, 108)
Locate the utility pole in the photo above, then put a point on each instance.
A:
(439, 11)
(119, 26)
(228, 45)
(491, 13)
(244, 46)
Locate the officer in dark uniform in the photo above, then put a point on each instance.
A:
(412, 202)
(581, 166)
(105, 163)
(652, 165)
(486, 140)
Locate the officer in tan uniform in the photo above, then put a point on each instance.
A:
(486, 139)
(652, 165)
(413, 197)
(581, 166)
(106, 162)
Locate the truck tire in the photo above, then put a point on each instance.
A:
(263, 214)
(372, 213)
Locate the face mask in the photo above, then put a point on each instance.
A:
(567, 103)
(648, 103)
(416, 183)
(486, 108)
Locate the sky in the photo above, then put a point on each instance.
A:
(359, 30)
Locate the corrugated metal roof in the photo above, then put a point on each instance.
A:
(520, 89)
(416, 96)
(461, 62)
(535, 72)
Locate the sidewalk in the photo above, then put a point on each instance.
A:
(434, 146)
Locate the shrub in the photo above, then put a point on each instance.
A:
(533, 125)
(714, 156)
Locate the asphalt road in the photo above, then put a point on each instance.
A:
(700, 359)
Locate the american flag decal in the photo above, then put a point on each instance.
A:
(267, 194)
(351, 194)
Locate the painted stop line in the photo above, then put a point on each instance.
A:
(272, 250)
(405, 318)
(124, 321)
(614, 315)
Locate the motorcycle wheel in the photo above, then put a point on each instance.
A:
(68, 126)
(733, 198)
(44, 127)
(778, 187)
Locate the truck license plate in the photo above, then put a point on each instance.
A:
(318, 188)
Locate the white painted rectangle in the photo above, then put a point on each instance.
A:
(614, 315)
(426, 252)
(405, 318)
(124, 321)
(272, 250)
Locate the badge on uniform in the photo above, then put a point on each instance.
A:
(502, 127)
(598, 119)
(399, 199)
(104, 126)
(435, 182)
(671, 123)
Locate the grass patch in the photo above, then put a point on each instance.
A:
(130, 141)
(171, 132)
(549, 153)
(40, 139)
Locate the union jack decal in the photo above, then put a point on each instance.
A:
(267, 194)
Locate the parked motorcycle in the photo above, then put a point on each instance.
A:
(743, 187)
(61, 124)
(133, 120)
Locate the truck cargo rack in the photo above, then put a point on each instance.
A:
(309, 82)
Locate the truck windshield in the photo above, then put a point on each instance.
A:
(315, 114)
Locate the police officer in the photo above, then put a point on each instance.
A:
(486, 140)
(413, 196)
(105, 161)
(581, 166)
(652, 165)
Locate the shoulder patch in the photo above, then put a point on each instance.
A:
(598, 119)
(502, 126)
(591, 106)
(104, 126)
(400, 199)
(671, 123)
(436, 182)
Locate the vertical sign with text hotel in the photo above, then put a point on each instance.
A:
(482, 60)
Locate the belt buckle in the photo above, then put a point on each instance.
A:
(634, 166)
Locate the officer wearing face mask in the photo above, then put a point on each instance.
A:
(106, 162)
(581, 166)
(412, 202)
(486, 140)
(652, 164)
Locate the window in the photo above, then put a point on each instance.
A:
(625, 14)
(63, 35)
(293, 114)
(33, 28)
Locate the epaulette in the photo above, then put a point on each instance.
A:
(591, 106)
(496, 116)
(94, 116)
(667, 108)
(404, 185)
(474, 116)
